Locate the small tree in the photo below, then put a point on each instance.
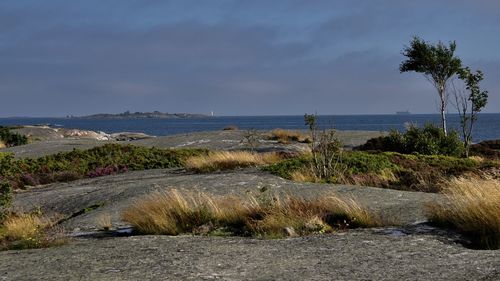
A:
(326, 150)
(438, 64)
(251, 139)
(469, 103)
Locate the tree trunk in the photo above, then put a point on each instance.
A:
(443, 121)
(442, 92)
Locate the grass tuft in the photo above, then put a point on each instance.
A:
(29, 231)
(226, 160)
(287, 136)
(304, 175)
(103, 222)
(176, 212)
(472, 208)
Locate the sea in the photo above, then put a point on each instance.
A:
(487, 127)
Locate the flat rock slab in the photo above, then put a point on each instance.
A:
(409, 252)
(353, 255)
(42, 148)
(214, 140)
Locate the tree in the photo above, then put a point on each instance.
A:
(326, 150)
(437, 63)
(469, 103)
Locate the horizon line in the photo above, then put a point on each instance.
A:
(215, 116)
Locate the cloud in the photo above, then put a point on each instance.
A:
(233, 57)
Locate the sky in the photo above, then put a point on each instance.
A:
(262, 57)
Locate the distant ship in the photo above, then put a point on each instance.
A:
(403, 112)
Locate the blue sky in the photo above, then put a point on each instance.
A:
(60, 57)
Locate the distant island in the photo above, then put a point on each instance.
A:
(140, 115)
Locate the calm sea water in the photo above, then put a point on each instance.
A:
(488, 125)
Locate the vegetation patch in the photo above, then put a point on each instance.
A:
(29, 231)
(472, 208)
(429, 140)
(5, 198)
(288, 136)
(8, 138)
(488, 149)
(386, 169)
(99, 161)
(226, 160)
(176, 212)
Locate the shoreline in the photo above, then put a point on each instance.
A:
(46, 141)
(488, 125)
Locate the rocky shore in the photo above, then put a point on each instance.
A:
(48, 133)
(46, 140)
(408, 250)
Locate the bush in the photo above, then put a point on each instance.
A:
(359, 162)
(11, 139)
(285, 168)
(326, 149)
(429, 140)
(5, 197)
(392, 142)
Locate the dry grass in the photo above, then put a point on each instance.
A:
(287, 136)
(320, 215)
(304, 175)
(2, 145)
(176, 212)
(477, 158)
(473, 208)
(225, 160)
(28, 231)
(103, 222)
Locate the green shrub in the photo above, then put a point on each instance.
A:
(361, 162)
(429, 140)
(392, 142)
(5, 197)
(10, 138)
(450, 164)
(285, 168)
